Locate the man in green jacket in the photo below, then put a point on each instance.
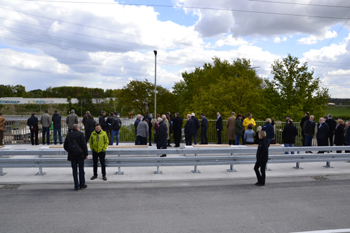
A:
(98, 144)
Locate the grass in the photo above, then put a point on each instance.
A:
(338, 111)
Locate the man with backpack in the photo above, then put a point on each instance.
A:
(116, 125)
(76, 147)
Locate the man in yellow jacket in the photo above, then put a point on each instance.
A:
(98, 144)
(249, 120)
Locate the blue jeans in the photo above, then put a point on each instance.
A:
(55, 131)
(238, 137)
(46, 131)
(114, 133)
(289, 145)
(75, 164)
(308, 140)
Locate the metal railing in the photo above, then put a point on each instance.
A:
(234, 155)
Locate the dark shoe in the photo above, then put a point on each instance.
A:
(260, 184)
(163, 155)
(83, 187)
(149, 144)
(169, 145)
(104, 178)
(93, 177)
(257, 183)
(76, 189)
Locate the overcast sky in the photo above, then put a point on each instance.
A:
(105, 43)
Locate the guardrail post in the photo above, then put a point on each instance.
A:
(195, 167)
(297, 165)
(231, 166)
(119, 172)
(40, 173)
(328, 165)
(158, 172)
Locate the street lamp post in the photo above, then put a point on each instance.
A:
(155, 84)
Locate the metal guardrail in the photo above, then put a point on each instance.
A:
(235, 155)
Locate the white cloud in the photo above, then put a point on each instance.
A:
(231, 41)
(278, 40)
(314, 39)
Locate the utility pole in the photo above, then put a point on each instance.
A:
(155, 84)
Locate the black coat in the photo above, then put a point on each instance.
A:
(309, 128)
(101, 120)
(305, 118)
(322, 132)
(79, 138)
(196, 123)
(219, 123)
(331, 124)
(136, 123)
(89, 126)
(162, 131)
(56, 119)
(204, 123)
(289, 133)
(339, 135)
(32, 122)
(177, 126)
(262, 154)
(149, 122)
(190, 127)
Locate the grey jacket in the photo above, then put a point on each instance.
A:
(142, 129)
(46, 120)
(71, 120)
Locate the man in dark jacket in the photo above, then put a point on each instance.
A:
(136, 123)
(190, 129)
(219, 126)
(76, 147)
(262, 156)
(32, 122)
(309, 131)
(109, 125)
(322, 134)
(270, 132)
(196, 124)
(149, 128)
(102, 121)
(305, 118)
(117, 124)
(347, 136)
(204, 128)
(177, 129)
(288, 135)
(162, 136)
(331, 124)
(56, 119)
(89, 127)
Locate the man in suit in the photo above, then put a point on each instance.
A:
(196, 124)
(322, 133)
(219, 126)
(309, 131)
(204, 128)
(177, 129)
(189, 130)
(331, 124)
(305, 118)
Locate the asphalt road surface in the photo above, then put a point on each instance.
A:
(213, 207)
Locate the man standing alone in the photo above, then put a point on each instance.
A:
(98, 144)
(219, 127)
(76, 147)
(2, 128)
(46, 122)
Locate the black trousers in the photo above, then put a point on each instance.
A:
(101, 156)
(1, 137)
(330, 137)
(303, 137)
(204, 138)
(188, 139)
(219, 136)
(177, 140)
(34, 133)
(322, 142)
(260, 175)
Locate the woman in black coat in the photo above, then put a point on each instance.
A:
(339, 134)
(262, 156)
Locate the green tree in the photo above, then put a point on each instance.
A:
(294, 90)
